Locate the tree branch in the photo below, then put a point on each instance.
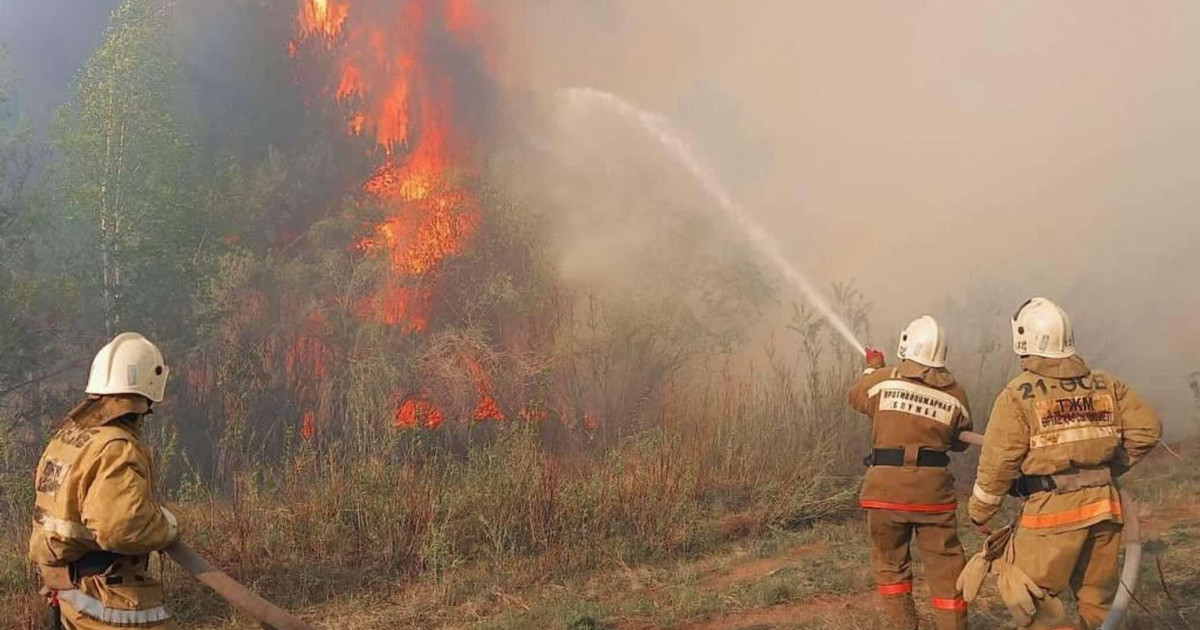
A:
(38, 379)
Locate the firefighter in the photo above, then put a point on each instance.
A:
(1060, 435)
(917, 411)
(95, 520)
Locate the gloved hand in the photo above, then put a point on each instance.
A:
(970, 581)
(875, 359)
(1018, 592)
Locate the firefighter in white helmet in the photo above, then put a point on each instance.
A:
(96, 520)
(1060, 435)
(918, 411)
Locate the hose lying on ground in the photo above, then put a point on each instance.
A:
(268, 615)
(1131, 538)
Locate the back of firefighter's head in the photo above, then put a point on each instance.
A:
(924, 342)
(129, 364)
(1042, 329)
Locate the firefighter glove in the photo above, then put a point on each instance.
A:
(1019, 593)
(970, 581)
(875, 359)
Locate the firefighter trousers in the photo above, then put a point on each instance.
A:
(892, 534)
(1082, 560)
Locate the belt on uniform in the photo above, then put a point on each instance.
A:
(95, 563)
(1027, 485)
(1066, 481)
(926, 458)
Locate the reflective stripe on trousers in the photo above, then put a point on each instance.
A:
(96, 609)
(928, 508)
(902, 588)
(1070, 517)
(954, 604)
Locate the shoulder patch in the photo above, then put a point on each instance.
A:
(51, 475)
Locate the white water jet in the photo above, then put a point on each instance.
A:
(660, 127)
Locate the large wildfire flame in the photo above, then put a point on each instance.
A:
(390, 89)
(391, 92)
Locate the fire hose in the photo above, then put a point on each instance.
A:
(268, 615)
(1132, 538)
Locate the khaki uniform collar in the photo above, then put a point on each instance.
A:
(95, 412)
(940, 378)
(1071, 367)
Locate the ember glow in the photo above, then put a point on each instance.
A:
(418, 412)
(392, 84)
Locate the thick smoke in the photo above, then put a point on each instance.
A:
(950, 159)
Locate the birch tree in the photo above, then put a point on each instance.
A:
(127, 175)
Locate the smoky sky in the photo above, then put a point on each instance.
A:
(47, 42)
(936, 152)
(933, 153)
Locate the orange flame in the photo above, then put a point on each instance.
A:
(308, 426)
(322, 16)
(390, 91)
(415, 412)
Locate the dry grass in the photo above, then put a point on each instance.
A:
(812, 577)
(630, 540)
(734, 464)
(727, 504)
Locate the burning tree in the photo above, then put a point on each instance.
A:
(385, 278)
(382, 309)
(403, 77)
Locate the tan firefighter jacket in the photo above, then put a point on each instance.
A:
(1061, 418)
(94, 489)
(911, 407)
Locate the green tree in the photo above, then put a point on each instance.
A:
(16, 162)
(132, 228)
(27, 301)
(16, 165)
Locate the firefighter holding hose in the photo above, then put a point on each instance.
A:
(96, 521)
(918, 411)
(1060, 435)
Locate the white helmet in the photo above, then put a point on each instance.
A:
(129, 364)
(1042, 329)
(924, 342)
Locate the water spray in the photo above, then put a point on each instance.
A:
(673, 141)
